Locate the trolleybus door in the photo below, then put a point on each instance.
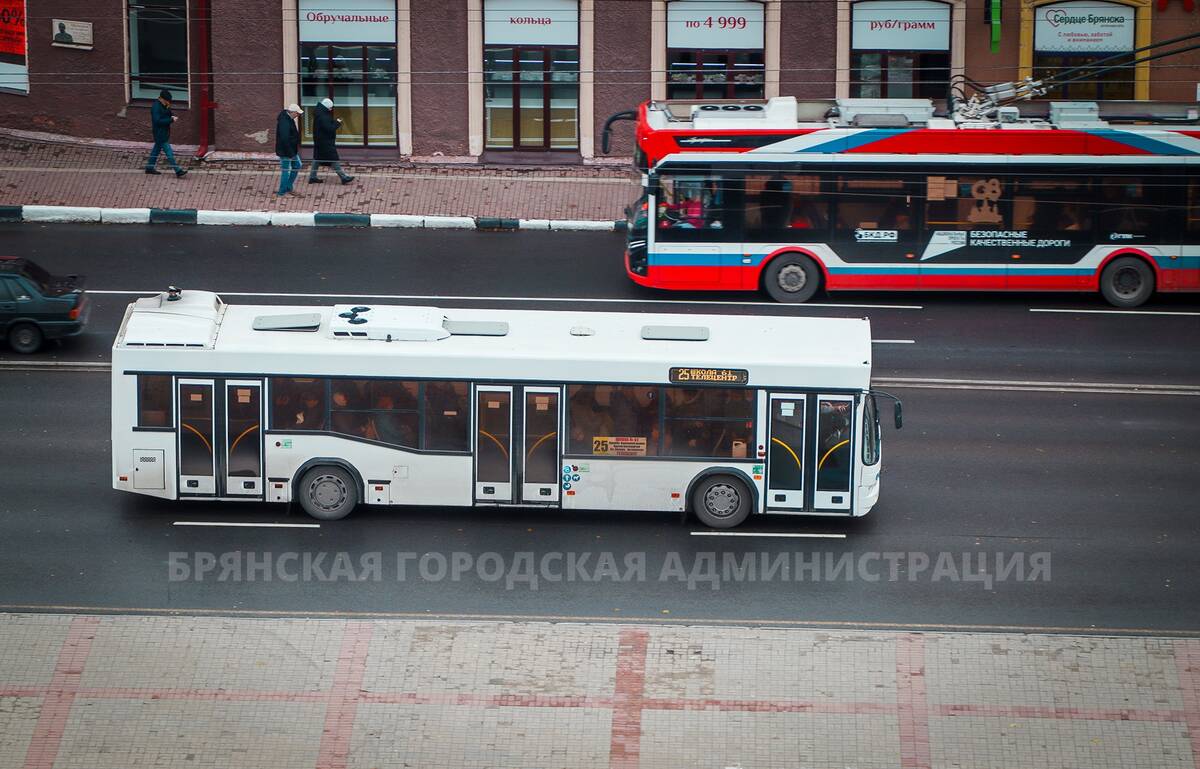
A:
(785, 461)
(243, 438)
(540, 454)
(493, 444)
(195, 434)
(833, 452)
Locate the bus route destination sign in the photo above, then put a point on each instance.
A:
(710, 375)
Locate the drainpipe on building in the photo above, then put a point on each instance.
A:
(204, 77)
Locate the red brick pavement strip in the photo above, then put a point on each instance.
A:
(60, 695)
(1187, 661)
(625, 746)
(35, 174)
(344, 696)
(628, 701)
(911, 702)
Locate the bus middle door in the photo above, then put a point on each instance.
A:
(517, 447)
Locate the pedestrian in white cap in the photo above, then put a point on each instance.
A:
(287, 147)
(325, 128)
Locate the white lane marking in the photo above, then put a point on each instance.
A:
(1115, 312)
(778, 535)
(248, 525)
(56, 365)
(573, 299)
(893, 341)
(1106, 388)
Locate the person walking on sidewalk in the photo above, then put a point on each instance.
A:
(160, 121)
(325, 128)
(287, 147)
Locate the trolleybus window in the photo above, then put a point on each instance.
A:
(966, 202)
(777, 205)
(873, 204)
(1192, 225)
(693, 208)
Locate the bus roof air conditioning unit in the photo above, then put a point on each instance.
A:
(389, 324)
(1076, 114)
(911, 111)
(779, 112)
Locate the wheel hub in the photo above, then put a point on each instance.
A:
(722, 500)
(328, 492)
(1127, 282)
(792, 278)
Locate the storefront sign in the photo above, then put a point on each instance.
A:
(531, 22)
(348, 21)
(1084, 26)
(710, 375)
(71, 34)
(901, 25)
(715, 24)
(14, 75)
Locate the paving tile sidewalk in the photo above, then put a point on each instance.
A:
(35, 173)
(157, 691)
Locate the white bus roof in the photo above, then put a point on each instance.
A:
(199, 334)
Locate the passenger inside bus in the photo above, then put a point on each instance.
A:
(311, 415)
(345, 421)
(390, 426)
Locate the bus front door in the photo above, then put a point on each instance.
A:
(493, 444)
(785, 460)
(540, 454)
(243, 438)
(195, 434)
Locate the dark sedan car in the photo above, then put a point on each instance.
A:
(35, 305)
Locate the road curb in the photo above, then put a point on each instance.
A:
(295, 219)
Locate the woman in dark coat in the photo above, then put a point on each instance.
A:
(325, 128)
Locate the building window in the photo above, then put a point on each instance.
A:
(1079, 33)
(361, 81)
(900, 49)
(715, 49)
(710, 74)
(531, 75)
(350, 58)
(158, 49)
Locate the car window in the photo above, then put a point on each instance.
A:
(37, 275)
(6, 294)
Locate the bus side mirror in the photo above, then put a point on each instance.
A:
(898, 414)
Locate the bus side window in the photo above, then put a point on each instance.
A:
(1052, 205)
(1192, 213)
(154, 400)
(692, 208)
(1126, 207)
(447, 416)
(873, 204)
(784, 207)
(708, 422)
(599, 414)
(297, 404)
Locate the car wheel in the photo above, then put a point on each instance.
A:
(792, 278)
(721, 501)
(328, 493)
(1127, 282)
(25, 338)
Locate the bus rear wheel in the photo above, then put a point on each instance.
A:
(1127, 282)
(328, 493)
(792, 278)
(721, 501)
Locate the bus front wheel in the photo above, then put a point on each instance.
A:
(792, 278)
(328, 493)
(1127, 282)
(721, 501)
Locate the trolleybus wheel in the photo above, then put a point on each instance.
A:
(792, 278)
(328, 493)
(721, 501)
(25, 338)
(1127, 282)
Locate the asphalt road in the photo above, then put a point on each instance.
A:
(990, 336)
(1099, 486)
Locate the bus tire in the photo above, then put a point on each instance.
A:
(721, 501)
(25, 338)
(328, 493)
(792, 278)
(1127, 282)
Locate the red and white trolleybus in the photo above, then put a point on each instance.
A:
(880, 194)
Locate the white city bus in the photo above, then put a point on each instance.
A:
(330, 407)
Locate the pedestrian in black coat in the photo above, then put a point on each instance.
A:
(325, 128)
(287, 147)
(160, 124)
